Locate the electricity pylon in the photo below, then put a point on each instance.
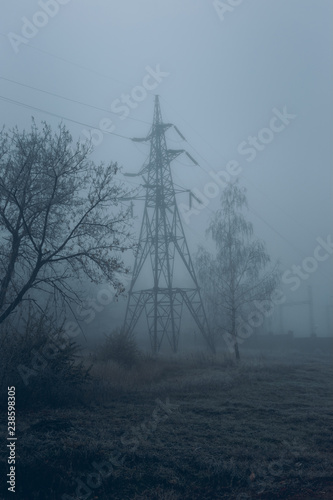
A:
(307, 302)
(161, 241)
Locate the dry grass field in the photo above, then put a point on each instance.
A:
(191, 427)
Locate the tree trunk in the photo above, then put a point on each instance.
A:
(237, 351)
(234, 333)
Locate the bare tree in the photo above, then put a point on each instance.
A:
(59, 219)
(237, 275)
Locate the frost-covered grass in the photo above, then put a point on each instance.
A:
(258, 429)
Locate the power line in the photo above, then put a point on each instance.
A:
(68, 99)
(12, 101)
(18, 103)
(295, 248)
(121, 81)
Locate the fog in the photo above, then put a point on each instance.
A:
(217, 383)
(251, 85)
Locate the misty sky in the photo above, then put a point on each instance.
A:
(222, 77)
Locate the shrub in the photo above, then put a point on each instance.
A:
(41, 362)
(121, 347)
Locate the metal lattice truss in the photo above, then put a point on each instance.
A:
(161, 241)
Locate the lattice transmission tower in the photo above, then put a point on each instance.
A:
(161, 242)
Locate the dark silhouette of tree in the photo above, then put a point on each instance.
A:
(59, 220)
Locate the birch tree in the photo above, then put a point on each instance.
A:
(239, 274)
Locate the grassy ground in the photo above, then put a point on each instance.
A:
(258, 430)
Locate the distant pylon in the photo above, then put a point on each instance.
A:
(161, 241)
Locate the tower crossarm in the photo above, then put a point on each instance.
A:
(173, 153)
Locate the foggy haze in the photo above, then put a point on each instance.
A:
(249, 88)
(166, 243)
